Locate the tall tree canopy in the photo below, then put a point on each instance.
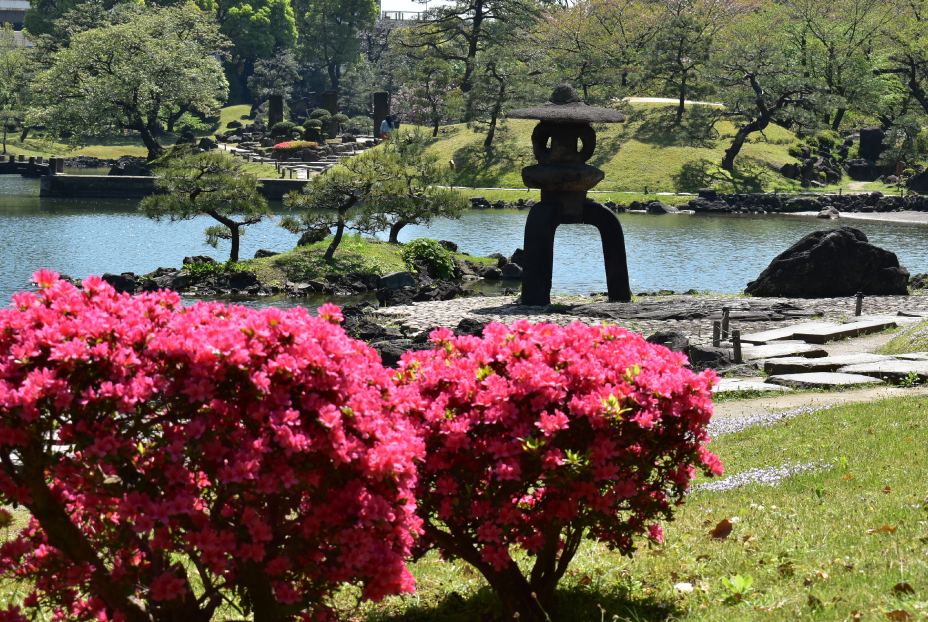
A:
(125, 75)
(330, 32)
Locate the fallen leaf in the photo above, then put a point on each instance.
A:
(823, 575)
(903, 589)
(870, 431)
(855, 616)
(848, 477)
(899, 615)
(585, 580)
(813, 602)
(887, 490)
(684, 587)
(702, 557)
(786, 570)
(909, 440)
(888, 528)
(722, 530)
(807, 581)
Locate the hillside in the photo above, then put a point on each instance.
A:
(646, 151)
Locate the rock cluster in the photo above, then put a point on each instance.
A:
(760, 203)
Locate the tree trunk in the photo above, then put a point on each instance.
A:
(175, 117)
(395, 231)
(339, 230)
(497, 109)
(728, 161)
(261, 593)
(335, 75)
(233, 254)
(25, 133)
(155, 150)
(839, 116)
(682, 98)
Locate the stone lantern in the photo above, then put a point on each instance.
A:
(563, 178)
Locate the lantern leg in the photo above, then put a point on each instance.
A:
(543, 220)
(610, 230)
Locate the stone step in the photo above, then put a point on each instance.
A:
(821, 380)
(726, 385)
(893, 371)
(913, 356)
(779, 334)
(843, 331)
(780, 349)
(800, 365)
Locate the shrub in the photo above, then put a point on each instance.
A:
(812, 141)
(360, 125)
(294, 145)
(437, 255)
(908, 172)
(320, 114)
(828, 138)
(341, 119)
(315, 124)
(795, 151)
(284, 128)
(538, 436)
(174, 458)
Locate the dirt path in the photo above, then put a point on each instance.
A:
(779, 402)
(857, 185)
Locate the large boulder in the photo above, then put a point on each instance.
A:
(837, 262)
(871, 143)
(919, 183)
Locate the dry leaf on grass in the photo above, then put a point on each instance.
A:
(722, 530)
(899, 615)
(903, 589)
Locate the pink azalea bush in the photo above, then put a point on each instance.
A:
(538, 436)
(175, 459)
(292, 146)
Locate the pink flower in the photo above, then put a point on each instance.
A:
(167, 587)
(656, 533)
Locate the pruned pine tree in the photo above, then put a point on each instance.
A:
(210, 183)
(386, 188)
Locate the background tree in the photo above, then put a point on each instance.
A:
(682, 44)
(123, 76)
(757, 77)
(14, 70)
(386, 188)
(433, 92)
(274, 76)
(330, 32)
(461, 30)
(905, 41)
(836, 40)
(211, 183)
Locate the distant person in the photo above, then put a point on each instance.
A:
(386, 126)
(395, 122)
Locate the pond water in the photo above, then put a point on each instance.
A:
(717, 253)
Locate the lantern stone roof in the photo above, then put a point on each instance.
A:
(565, 106)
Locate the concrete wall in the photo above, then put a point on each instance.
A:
(126, 187)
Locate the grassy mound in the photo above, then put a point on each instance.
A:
(912, 339)
(646, 151)
(845, 539)
(354, 254)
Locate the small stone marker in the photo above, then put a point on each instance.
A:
(893, 371)
(860, 304)
(779, 334)
(821, 380)
(774, 350)
(843, 331)
(716, 334)
(726, 318)
(800, 365)
(736, 345)
(726, 385)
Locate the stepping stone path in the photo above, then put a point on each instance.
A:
(799, 365)
(302, 170)
(821, 380)
(779, 334)
(893, 371)
(823, 334)
(726, 385)
(781, 348)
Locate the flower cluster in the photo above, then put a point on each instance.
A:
(294, 145)
(173, 458)
(537, 436)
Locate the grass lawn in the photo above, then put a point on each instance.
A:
(646, 151)
(354, 254)
(912, 339)
(845, 538)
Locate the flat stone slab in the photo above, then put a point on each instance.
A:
(914, 314)
(899, 319)
(913, 356)
(781, 349)
(843, 331)
(891, 371)
(821, 380)
(726, 385)
(779, 334)
(800, 365)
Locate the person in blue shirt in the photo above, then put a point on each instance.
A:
(386, 126)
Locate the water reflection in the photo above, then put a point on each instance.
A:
(715, 253)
